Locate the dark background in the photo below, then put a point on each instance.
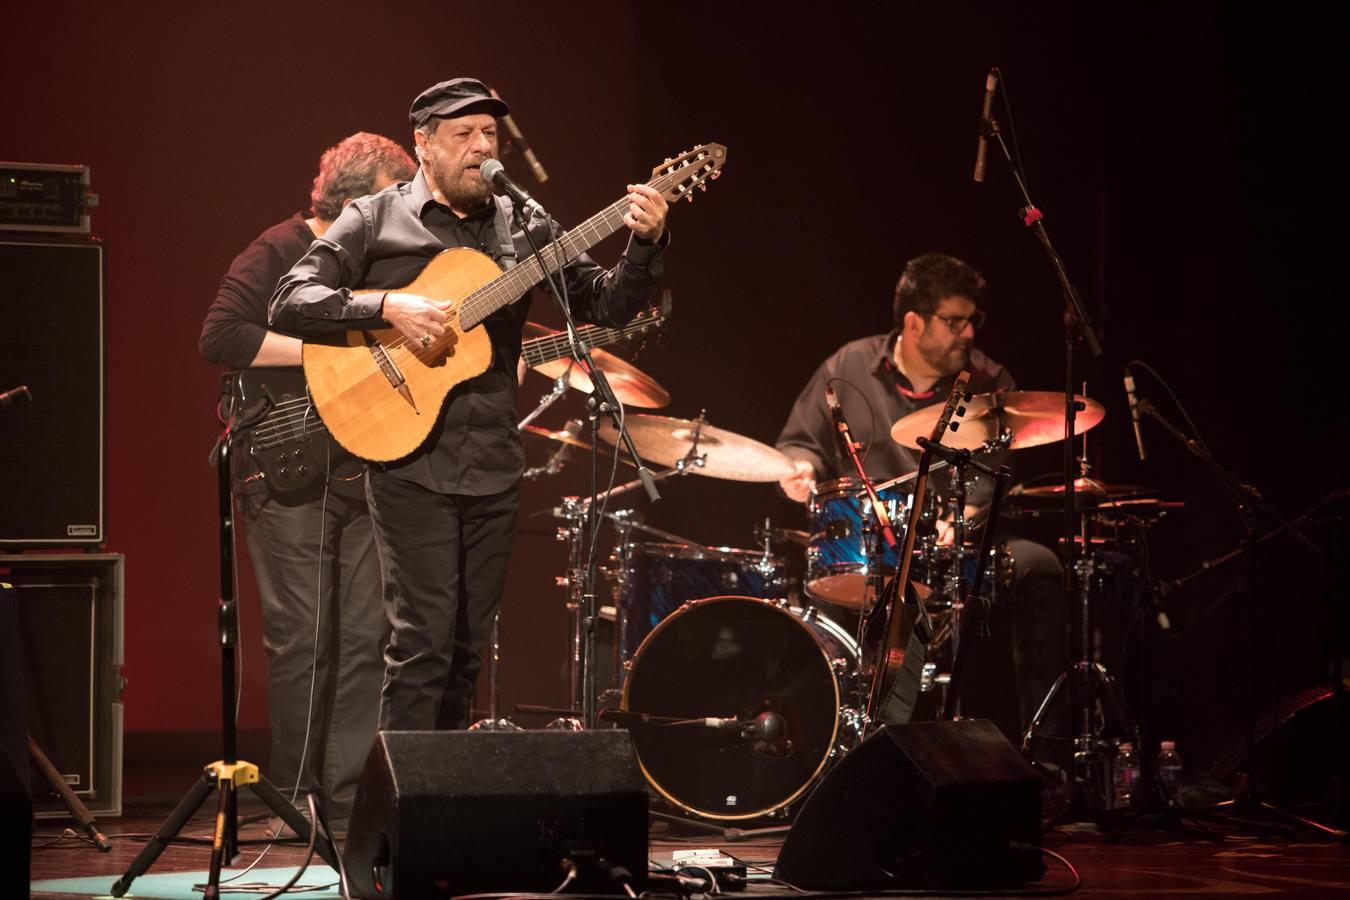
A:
(1188, 162)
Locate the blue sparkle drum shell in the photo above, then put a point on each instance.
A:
(661, 578)
(841, 520)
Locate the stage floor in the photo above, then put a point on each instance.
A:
(1140, 863)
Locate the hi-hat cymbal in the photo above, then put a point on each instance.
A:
(631, 385)
(1086, 488)
(1030, 418)
(542, 437)
(725, 454)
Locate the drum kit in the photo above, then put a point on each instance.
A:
(740, 672)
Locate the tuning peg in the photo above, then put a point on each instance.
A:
(960, 410)
(955, 425)
(703, 185)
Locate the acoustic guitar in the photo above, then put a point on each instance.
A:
(380, 393)
(294, 450)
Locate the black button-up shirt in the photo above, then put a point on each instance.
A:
(383, 242)
(874, 395)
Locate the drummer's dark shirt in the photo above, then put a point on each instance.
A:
(874, 394)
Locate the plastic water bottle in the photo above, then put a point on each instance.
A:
(1125, 775)
(1169, 768)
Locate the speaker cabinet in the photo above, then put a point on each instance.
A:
(938, 805)
(456, 812)
(68, 615)
(52, 453)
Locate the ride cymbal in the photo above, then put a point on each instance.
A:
(1026, 418)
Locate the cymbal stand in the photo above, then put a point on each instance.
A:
(493, 721)
(602, 403)
(1094, 696)
(554, 394)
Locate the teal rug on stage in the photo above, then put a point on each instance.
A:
(179, 886)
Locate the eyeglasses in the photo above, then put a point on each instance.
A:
(958, 323)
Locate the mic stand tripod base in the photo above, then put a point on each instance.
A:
(227, 778)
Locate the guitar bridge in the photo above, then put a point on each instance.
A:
(391, 371)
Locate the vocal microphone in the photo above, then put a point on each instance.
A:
(518, 140)
(1134, 415)
(990, 84)
(494, 173)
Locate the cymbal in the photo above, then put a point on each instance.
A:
(536, 436)
(1086, 488)
(631, 385)
(1031, 417)
(725, 454)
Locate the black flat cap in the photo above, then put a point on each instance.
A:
(456, 97)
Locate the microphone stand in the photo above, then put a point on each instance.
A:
(882, 523)
(1077, 325)
(975, 604)
(1247, 801)
(228, 775)
(602, 402)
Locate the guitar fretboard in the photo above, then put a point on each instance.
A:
(512, 284)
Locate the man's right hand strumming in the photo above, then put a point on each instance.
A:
(419, 320)
(799, 485)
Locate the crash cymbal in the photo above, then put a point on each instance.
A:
(1031, 418)
(1086, 488)
(725, 454)
(631, 385)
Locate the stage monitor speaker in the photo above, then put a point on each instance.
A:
(68, 611)
(461, 812)
(936, 805)
(52, 453)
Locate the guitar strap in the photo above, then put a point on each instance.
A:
(506, 248)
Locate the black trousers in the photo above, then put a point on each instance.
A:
(444, 559)
(319, 581)
(1040, 622)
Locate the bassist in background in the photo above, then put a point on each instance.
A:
(445, 513)
(344, 614)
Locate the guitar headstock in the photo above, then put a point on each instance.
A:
(952, 408)
(678, 178)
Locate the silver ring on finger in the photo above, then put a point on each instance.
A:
(426, 340)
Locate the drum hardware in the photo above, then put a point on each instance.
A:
(494, 722)
(552, 396)
(1095, 696)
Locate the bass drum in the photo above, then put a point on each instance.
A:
(739, 657)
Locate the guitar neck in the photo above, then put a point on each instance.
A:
(540, 350)
(513, 283)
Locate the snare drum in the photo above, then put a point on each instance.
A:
(660, 578)
(841, 528)
(741, 657)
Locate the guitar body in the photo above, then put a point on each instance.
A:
(362, 408)
(290, 445)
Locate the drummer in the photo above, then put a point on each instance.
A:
(881, 379)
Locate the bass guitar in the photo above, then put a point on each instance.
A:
(380, 394)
